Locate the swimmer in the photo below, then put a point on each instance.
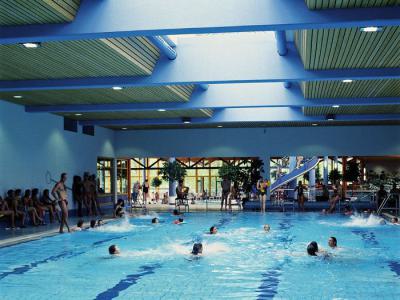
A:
(332, 242)
(79, 226)
(114, 250)
(176, 212)
(213, 230)
(382, 222)
(395, 220)
(197, 249)
(100, 222)
(267, 228)
(312, 248)
(155, 221)
(179, 221)
(92, 223)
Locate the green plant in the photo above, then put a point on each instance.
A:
(230, 172)
(156, 182)
(335, 175)
(172, 171)
(252, 175)
(352, 173)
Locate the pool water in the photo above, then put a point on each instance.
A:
(240, 262)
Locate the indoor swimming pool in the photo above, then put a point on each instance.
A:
(241, 261)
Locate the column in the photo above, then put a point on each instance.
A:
(114, 180)
(267, 173)
(293, 183)
(344, 165)
(326, 170)
(311, 184)
(172, 186)
(144, 175)
(336, 163)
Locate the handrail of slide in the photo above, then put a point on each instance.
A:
(306, 167)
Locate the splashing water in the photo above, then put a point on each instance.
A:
(361, 221)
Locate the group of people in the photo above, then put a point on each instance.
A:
(84, 194)
(314, 250)
(18, 205)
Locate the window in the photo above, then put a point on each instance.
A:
(104, 171)
(122, 176)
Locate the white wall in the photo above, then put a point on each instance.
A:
(308, 141)
(33, 144)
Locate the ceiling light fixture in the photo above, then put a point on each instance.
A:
(347, 80)
(117, 88)
(370, 29)
(17, 97)
(124, 128)
(31, 45)
(161, 110)
(220, 126)
(335, 106)
(186, 120)
(314, 124)
(330, 117)
(78, 115)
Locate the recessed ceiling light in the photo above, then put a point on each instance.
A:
(117, 88)
(78, 115)
(335, 106)
(220, 126)
(186, 120)
(124, 128)
(161, 109)
(31, 45)
(330, 117)
(347, 80)
(371, 29)
(314, 124)
(17, 97)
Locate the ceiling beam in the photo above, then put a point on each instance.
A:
(108, 18)
(231, 115)
(214, 60)
(223, 96)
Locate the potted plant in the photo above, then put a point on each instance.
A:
(172, 171)
(156, 182)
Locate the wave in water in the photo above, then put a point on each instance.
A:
(361, 221)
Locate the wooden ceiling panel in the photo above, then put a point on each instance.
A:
(25, 12)
(326, 4)
(132, 56)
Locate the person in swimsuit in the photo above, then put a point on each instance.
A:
(337, 195)
(30, 209)
(5, 211)
(46, 200)
(93, 193)
(87, 196)
(300, 195)
(14, 205)
(226, 187)
(262, 186)
(146, 187)
(59, 192)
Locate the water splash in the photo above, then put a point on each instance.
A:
(123, 226)
(362, 221)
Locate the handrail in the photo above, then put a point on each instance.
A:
(380, 208)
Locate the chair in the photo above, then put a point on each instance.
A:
(181, 200)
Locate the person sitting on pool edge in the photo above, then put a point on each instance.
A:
(197, 249)
(114, 250)
(267, 228)
(213, 230)
(155, 220)
(179, 221)
(332, 242)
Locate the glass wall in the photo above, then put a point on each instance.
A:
(104, 171)
(122, 176)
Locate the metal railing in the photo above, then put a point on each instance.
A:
(390, 196)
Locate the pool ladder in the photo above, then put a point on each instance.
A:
(383, 204)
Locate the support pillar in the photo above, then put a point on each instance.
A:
(172, 186)
(292, 166)
(326, 170)
(344, 165)
(311, 185)
(114, 180)
(267, 173)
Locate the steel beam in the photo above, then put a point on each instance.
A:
(232, 115)
(249, 59)
(225, 96)
(110, 18)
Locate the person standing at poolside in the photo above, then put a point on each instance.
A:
(146, 188)
(262, 186)
(300, 195)
(59, 192)
(226, 188)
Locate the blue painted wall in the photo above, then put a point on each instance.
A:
(32, 144)
(308, 141)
